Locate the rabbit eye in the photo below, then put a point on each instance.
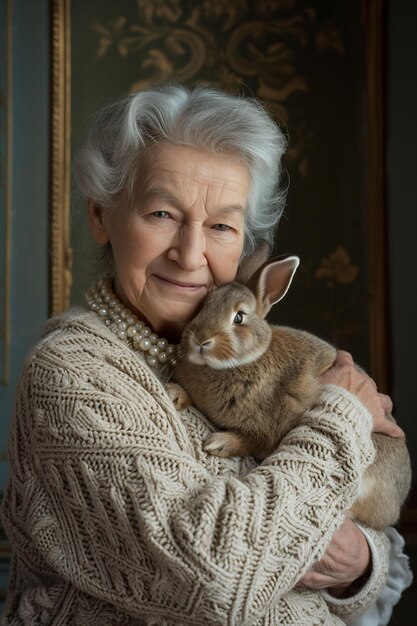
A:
(238, 319)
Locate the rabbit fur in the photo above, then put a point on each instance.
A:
(255, 381)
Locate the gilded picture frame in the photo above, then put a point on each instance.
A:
(60, 246)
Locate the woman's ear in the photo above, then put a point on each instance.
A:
(95, 222)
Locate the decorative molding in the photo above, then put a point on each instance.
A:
(7, 218)
(378, 307)
(61, 253)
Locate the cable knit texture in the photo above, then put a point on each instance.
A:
(117, 516)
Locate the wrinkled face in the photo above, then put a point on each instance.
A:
(180, 235)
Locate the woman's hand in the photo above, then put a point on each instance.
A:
(346, 559)
(344, 373)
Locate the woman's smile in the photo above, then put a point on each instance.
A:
(191, 287)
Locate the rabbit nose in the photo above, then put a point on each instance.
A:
(203, 345)
(206, 345)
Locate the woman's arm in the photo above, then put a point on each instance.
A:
(99, 453)
(344, 373)
(354, 569)
(109, 490)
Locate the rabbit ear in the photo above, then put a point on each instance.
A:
(251, 263)
(274, 280)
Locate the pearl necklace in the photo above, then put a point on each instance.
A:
(119, 319)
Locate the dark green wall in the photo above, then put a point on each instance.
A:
(28, 297)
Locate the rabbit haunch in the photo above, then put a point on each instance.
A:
(255, 381)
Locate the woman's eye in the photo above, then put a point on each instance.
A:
(222, 227)
(238, 319)
(160, 214)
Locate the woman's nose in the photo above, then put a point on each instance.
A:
(189, 248)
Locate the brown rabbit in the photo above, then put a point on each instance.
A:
(255, 381)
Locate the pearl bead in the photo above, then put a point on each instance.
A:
(144, 344)
(127, 326)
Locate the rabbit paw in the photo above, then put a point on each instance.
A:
(225, 444)
(178, 396)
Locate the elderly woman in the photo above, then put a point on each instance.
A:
(115, 513)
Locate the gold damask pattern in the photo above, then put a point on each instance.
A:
(241, 46)
(337, 268)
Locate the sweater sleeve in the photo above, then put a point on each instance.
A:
(107, 492)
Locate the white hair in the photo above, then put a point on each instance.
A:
(203, 117)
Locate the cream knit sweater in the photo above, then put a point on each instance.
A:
(118, 517)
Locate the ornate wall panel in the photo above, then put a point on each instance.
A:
(316, 67)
